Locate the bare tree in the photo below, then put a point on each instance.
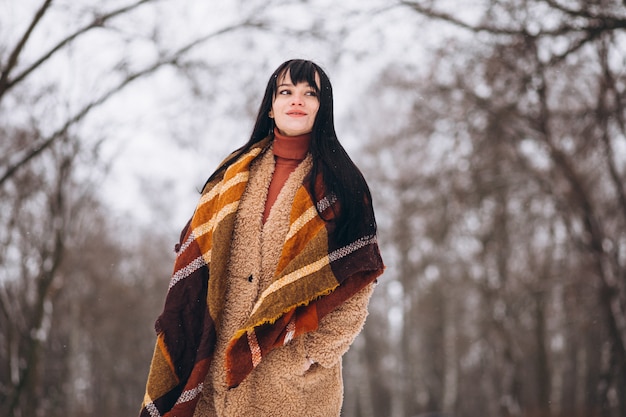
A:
(506, 192)
(39, 243)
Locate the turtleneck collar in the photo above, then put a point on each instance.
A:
(291, 147)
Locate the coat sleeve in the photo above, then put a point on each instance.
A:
(338, 329)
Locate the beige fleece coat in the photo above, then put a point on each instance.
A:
(302, 378)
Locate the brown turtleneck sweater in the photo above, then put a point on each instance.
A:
(289, 151)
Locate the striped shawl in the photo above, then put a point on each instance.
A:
(314, 276)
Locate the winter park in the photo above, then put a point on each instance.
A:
(491, 135)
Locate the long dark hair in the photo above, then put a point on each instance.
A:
(341, 177)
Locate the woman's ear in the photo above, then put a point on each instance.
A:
(271, 114)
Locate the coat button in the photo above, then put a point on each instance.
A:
(250, 278)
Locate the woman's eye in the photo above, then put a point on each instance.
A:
(284, 92)
(311, 93)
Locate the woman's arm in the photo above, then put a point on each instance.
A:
(337, 330)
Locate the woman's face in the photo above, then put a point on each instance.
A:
(295, 106)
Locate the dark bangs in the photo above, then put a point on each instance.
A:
(301, 71)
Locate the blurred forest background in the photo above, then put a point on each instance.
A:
(493, 136)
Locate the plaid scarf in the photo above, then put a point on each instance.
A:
(313, 277)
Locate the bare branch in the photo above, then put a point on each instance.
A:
(429, 12)
(97, 22)
(171, 59)
(606, 87)
(575, 13)
(13, 57)
(596, 25)
(590, 36)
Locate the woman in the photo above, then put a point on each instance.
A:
(273, 272)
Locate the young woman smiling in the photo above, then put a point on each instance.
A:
(274, 270)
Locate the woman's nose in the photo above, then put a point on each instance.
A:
(297, 99)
